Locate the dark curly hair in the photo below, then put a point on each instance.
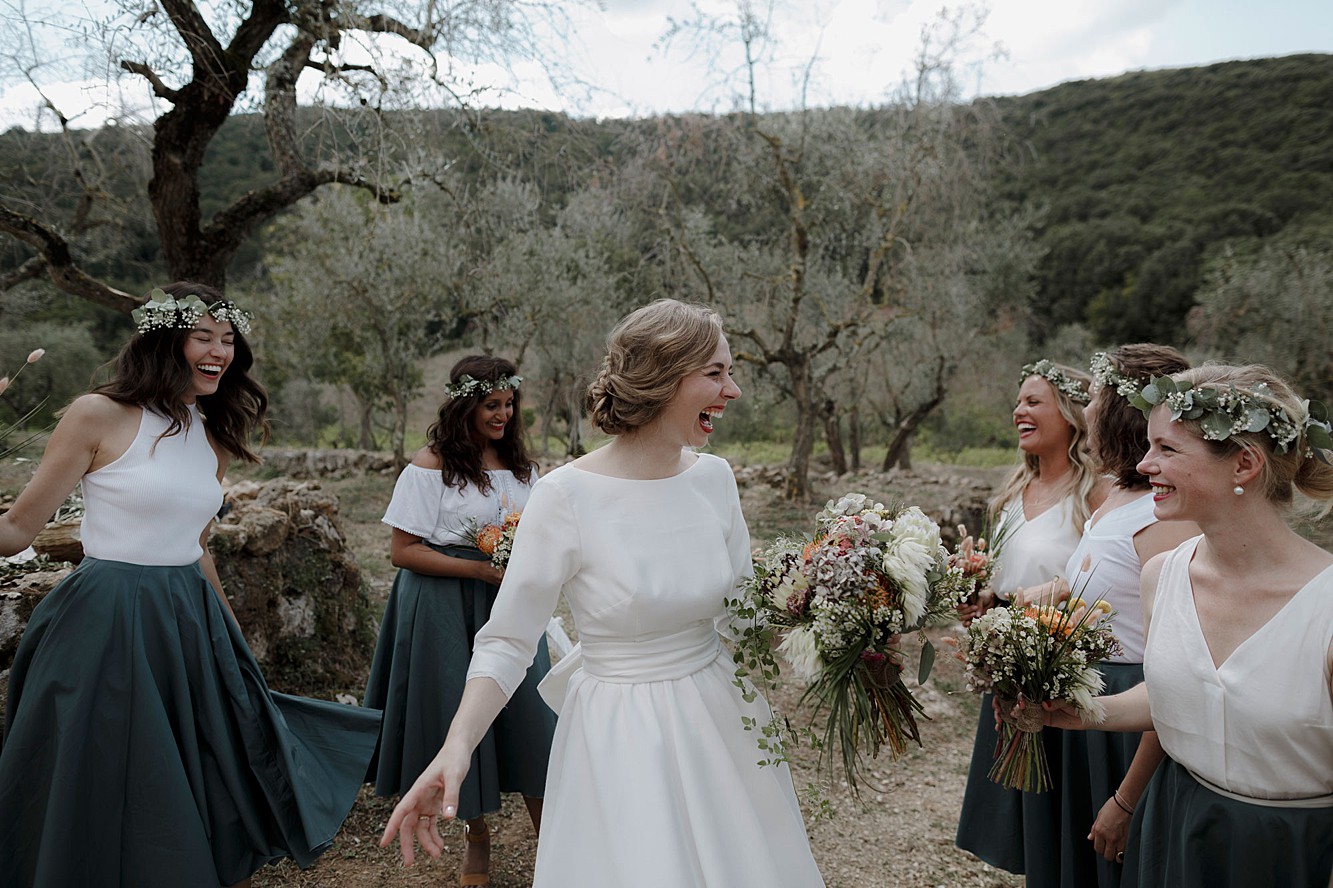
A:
(452, 438)
(1119, 429)
(151, 372)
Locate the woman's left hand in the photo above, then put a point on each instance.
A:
(1110, 831)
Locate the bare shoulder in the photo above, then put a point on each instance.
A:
(426, 458)
(100, 409)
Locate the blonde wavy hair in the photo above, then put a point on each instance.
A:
(647, 355)
(1083, 479)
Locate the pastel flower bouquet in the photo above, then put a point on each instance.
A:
(836, 603)
(1027, 655)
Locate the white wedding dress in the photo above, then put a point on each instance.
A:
(653, 781)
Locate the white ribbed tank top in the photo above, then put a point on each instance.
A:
(150, 505)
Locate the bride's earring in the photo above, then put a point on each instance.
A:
(1238, 490)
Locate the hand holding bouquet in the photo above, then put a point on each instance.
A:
(496, 540)
(1028, 655)
(840, 600)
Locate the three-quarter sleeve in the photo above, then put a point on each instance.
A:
(737, 536)
(415, 505)
(546, 555)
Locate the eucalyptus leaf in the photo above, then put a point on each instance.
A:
(1216, 426)
(1258, 419)
(927, 662)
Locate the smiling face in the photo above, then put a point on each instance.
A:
(208, 350)
(1190, 482)
(491, 417)
(1042, 429)
(700, 398)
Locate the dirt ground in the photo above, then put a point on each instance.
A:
(900, 835)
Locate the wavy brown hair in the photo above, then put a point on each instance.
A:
(1119, 430)
(453, 439)
(151, 372)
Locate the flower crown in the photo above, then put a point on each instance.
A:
(467, 385)
(1058, 379)
(1109, 377)
(165, 312)
(1224, 412)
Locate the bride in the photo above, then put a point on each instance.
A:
(653, 779)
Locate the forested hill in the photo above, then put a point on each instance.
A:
(1142, 178)
(1145, 173)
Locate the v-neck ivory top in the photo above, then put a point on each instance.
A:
(1035, 549)
(1261, 724)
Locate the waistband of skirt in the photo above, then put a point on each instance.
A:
(659, 658)
(1323, 801)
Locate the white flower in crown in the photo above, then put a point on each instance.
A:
(182, 313)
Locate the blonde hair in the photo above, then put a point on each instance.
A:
(647, 355)
(1281, 473)
(1083, 478)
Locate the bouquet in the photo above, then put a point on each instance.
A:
(495, 540)
(839, 600)
(977, 557)
(1027, 655)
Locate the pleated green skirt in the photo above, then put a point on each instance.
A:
(1187, 836)
(417, 678)
(143, 747)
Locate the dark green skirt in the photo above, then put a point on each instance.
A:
(1010, 829)
(143, 746)
(417, 678)
(1187, 836)
(1092, 765)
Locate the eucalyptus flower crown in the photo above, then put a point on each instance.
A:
(1109, 377)
(1225, 411)
(467, 386)
(181, 313)
(1058, 379)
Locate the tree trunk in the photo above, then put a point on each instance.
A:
(575, 447)
(367, 441)
(807, 421)
(900, 448)
(854, 437)
(833, 438)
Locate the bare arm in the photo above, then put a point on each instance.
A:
(435, 792)
(411, 552)
(70, 454)
(1110, 831)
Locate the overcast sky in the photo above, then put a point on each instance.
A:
(839, 51)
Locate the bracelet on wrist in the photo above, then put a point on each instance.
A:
(1120, 803)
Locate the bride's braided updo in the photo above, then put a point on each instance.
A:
(647, 355)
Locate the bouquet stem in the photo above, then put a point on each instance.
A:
(1020, 756)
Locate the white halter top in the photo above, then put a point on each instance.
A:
(151, 505)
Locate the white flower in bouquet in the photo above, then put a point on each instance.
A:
(800, 647)
(913, 524)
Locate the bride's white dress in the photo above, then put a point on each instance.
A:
(653, 781)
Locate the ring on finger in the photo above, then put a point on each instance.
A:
(1120, 857)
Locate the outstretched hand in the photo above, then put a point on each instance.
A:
(433, 797)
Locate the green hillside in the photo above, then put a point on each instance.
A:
(1142, 175)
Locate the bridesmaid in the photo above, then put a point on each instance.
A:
(1239, 648)
(1104, 774)
(142, 746)
(1039, 512)
(473, 470)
